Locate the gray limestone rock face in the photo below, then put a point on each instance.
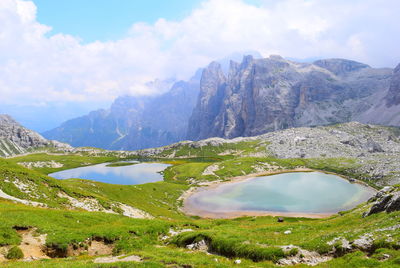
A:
(393, 96)
(16, 139)
(253, 97)
(340, 66)
(388, 199)
(263, 95)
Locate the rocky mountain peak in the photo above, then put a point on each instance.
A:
(276, 57)
(211, 79)
(263, 95)
(247, 60)
(340, 66)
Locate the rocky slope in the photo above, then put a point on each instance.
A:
(385, 109)
(262, 95)
(16, 139)
(387, 199)
(134, 122)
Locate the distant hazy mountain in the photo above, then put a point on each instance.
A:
(134, 122)
(16, 139)
(249, 98)
(262, 95)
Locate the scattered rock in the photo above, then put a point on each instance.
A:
(210, 170)
(26, 202)
(388, 199)
(41, 164)
(303, 256)
(287, 232)
(364, 242)
(200, 246)
(172, 233)
(384, 257)
(373, 147)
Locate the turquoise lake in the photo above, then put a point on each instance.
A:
(298, 192)
(138, 173)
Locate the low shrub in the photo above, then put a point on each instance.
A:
(293, 252)
(15, 253)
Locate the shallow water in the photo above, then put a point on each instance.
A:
(298, 192)
(134, 174)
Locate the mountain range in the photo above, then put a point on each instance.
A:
(248, 98)
(134, 122)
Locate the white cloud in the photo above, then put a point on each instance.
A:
(36, 68)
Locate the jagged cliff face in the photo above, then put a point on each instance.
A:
(16, 139)
(393, 96)
(251, 98)
(385, 105)
(134, 122)
(263, 95)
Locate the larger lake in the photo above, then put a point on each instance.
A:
(138, 173)
(298, 194)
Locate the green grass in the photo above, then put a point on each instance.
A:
(14, 253)
(255, 240)
(64, 227)
(121, 164)
(223, 151)
(67, 160)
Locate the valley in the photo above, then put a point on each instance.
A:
(197, 134)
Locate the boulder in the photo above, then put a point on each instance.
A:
(388, 199)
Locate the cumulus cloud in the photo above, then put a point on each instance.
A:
(37, 67)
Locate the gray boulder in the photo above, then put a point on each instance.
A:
(388, 199)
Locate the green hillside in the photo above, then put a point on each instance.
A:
(169, 238)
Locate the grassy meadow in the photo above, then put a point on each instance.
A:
(256, 241)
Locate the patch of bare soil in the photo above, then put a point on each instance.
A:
(33, 244)
(100, 248)
(3, 253)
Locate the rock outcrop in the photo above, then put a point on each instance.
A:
(387, 199)
(16, 139)
(263, 95)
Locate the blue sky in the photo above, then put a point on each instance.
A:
(65, 58)
(106, 20)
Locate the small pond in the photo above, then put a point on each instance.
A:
(298, 193)
(137, 173)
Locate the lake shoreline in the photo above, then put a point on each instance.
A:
(191, 210)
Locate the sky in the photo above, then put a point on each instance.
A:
(61, 59)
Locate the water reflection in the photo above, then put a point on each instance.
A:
(303, 192)
(132, 174)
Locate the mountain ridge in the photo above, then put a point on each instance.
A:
(133, 122)
(264, 95)
(16, 139)
(253, 97)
